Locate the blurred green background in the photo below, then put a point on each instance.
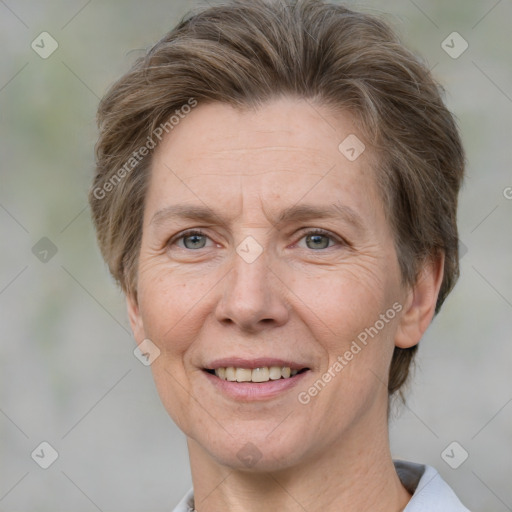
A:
(68, 375)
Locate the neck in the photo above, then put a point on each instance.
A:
(349, 476)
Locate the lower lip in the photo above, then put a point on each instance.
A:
(253, 391)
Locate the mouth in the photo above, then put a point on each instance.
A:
(254, 375)
(253, 380)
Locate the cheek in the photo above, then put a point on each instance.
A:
(170, 306)
(164, 302)
(357, 346)
(342, 301)
(350, 314)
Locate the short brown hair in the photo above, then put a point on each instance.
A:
(245, 53)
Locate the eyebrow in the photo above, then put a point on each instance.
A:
(296, 213)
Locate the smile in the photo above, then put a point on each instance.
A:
(262, 374)
(256, 379)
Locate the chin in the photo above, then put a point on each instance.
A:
(254, 450)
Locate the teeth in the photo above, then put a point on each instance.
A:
(263, 374)
(260, 375)
(230, 373)
(243, 375)
(275, 372)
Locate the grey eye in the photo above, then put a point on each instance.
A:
(317, 242)
(194, 241)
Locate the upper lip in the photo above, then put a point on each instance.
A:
(260, 362)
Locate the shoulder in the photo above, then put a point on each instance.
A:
(429, 490)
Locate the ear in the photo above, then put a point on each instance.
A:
(420, 305)
(135, 318)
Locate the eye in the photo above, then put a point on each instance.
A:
(316, 239)
(192, 239)
(319, 239)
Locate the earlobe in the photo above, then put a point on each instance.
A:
(420, 305)
(135, 318)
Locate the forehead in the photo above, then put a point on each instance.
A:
(285, 151)
(297, 128)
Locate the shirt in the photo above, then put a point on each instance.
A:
(429, 491)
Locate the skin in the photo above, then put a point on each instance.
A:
(303, 298)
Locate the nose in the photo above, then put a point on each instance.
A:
(253, 296)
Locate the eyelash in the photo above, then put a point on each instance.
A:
(316, 231)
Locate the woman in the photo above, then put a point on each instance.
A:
(276, 193)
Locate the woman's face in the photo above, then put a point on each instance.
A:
(258, 288)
